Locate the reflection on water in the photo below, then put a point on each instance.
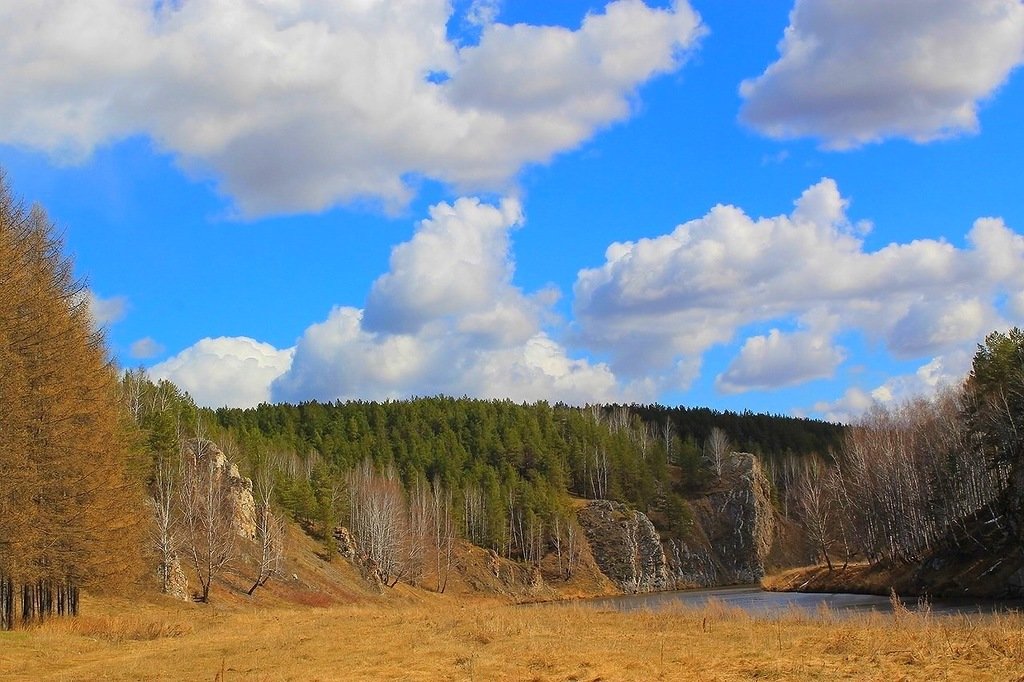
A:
(757, 602)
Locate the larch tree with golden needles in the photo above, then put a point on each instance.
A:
(70, 502)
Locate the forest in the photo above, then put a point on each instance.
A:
(929, 477)
(499, 474)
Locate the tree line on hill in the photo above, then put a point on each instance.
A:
(510, 467)
(921, 478)
(407, 477)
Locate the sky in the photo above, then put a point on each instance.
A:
(798, 207)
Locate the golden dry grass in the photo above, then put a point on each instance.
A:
(424, 637)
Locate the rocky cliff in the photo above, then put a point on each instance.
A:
(625, 545)
(732, 531)
(729, 535)
(243, 506)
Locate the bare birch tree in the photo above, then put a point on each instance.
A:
(206, 510)
(378, 519)
(668, 436)
(816, 510)
(716, 449)
(270, 530)
(166, 541)
(444, 532)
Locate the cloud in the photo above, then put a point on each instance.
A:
(301, 105)
(457, 263)
(483, 12)
(145, 348)
(445, 319)
(105, 311)
(844, 410)
(852, 72)
(339, 359)
(657, 302)
(940, 372)
(775, 360)
(930, 324)
(225, 371)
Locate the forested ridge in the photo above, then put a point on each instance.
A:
(901, 484)
(515, 463)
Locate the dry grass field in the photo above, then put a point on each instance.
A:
(413, 636)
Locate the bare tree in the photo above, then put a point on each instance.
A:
(270, 531)
(207, 510)
(419, 525)
(597, 471)
(378, 519)
(132, 392)
(165, 529)
(717, 448)
(475, 514)
(643, 436)
(816, 510)
(572, 547)
(566, 541)
(444, 532)
(668, 436)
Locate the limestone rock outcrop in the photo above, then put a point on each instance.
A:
(732, 532)
(243, 504)
(625, 545)
(347, 546)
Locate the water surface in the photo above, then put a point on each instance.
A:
(757, 602)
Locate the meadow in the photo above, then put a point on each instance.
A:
(411, 636)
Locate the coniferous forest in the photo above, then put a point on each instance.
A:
(71, 499)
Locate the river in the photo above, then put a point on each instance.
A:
(757, 602)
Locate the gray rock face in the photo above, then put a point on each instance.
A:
(691, 565)
(733, 530)
(625, 545)
(345, 543)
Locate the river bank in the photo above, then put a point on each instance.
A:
(854, 579)
(991, 579)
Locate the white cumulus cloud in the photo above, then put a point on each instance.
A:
(483, 12)
(943, 371)
(852, 72)
(299, 105)
(105, 311)
(339, 359)
(458, 262)
(145, 348)
(233, 371)
(778, 359)
(446, 318)
(657, 302)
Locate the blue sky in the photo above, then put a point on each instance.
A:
(795, 208)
